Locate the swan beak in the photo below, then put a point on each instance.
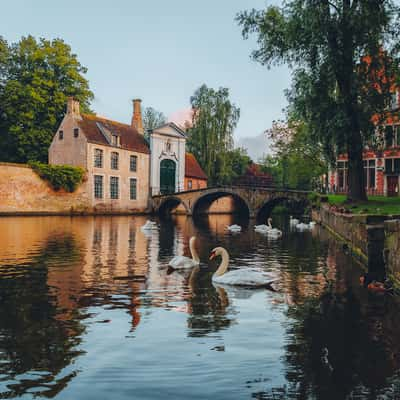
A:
(212, 256)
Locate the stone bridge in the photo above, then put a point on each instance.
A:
(253, 201)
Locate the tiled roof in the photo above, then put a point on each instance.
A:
(192, 167)
(130, 138)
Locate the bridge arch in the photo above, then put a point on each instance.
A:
(204, 202)
(170, 204)
(265, 210)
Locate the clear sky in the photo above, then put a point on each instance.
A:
(160, 51)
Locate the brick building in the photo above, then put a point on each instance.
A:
(381, 167)
(123, 169)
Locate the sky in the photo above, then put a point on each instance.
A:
(160, 51)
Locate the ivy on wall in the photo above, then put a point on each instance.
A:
(59, 176)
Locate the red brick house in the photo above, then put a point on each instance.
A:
(195, 177)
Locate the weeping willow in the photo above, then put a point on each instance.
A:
(210, 138)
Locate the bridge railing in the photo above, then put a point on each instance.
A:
(241, 186)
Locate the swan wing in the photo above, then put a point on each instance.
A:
(243, 277)
(182, 262)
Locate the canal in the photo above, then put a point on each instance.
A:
(89, 310)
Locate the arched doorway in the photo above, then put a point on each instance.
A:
(167, 176)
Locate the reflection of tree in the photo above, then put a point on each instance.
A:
(208, 305)
(32, 338)
(336, 350)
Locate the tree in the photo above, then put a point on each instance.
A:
(300, 159)
(211, 136)
(152, 118)
(342, 76)
(36, 78)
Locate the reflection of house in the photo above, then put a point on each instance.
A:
(123, 168)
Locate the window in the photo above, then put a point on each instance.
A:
(114, 187)
(98, 187)
(369, 174)
(190, 184)
(114, 160)
(98, 158)
(394, 100)
(389, 136)
(61, 135)
(76, 132)
(115, 140)
(392, 165)
(133, 188)
(342, 168)
(133, 163)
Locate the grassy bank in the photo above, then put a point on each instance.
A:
(378, 205)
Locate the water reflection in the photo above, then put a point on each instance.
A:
(81, 299)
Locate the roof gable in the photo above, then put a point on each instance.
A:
(169, 129)
(99, 130)
(192, 167)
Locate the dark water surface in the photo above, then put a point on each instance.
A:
(70, 330)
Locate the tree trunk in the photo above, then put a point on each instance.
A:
(356, 185)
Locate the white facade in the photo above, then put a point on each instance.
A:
(167, 142)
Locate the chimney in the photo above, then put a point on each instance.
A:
(137, 116)
(73, 106)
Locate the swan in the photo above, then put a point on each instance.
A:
(273, 232)
(234, 228)
(182, 262)
(240, 277)
(302, 226)
(149, 225)
(293, 221)
(261, 228)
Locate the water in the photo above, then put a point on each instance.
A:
(89, 311)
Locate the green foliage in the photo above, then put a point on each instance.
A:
(152, 118)
(36, 78)
(298, 161)
(336, 89)
(210, 138)
(59, 176)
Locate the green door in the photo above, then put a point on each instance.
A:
(167, 176)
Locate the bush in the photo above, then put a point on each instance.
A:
(59, 176)
(315, 199)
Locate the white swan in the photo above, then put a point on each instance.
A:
(182, 262)
(293, 221)
(149, 225)
(234, 228)
(240, 277)
(273, 232)
(261, 228)
(302, 226)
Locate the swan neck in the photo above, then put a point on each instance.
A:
(193, 251)
(269, 223)
(223, 267)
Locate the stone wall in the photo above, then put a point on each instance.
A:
(23, 192)
(362, 234)
(392, 249)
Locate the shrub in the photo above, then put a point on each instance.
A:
(59, 176)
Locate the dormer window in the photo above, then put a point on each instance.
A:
(115, 140)
(76, 132)
(60, 135)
